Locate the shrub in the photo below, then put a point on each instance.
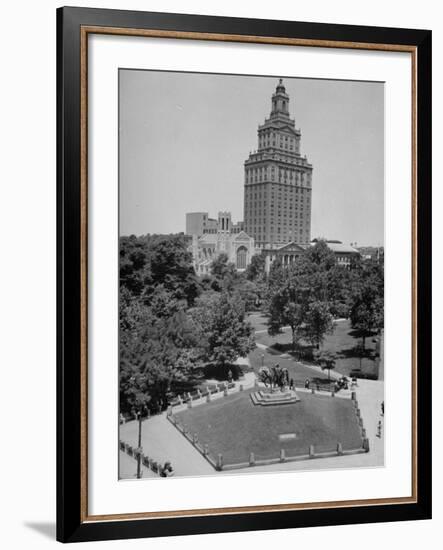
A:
(222, 372)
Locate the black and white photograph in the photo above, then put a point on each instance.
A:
(251, 274)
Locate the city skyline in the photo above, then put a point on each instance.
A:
(194, 160)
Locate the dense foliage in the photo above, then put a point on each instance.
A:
(173, 323)
(311, 292)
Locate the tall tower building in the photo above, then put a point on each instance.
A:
(277, 201)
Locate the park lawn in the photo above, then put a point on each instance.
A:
(258, 320)
(234, 427)
(344, 345)
(341, 342)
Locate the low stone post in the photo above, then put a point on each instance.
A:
(241, 387)
(190, 403)
(195, 439)
(366, 444)
(363, 433)
(353, 395)
(209, 397)
(339, 449)
(312, 390)
(225, 391)
(180, 400)
(149, 414)
(251, 459)
(357, 412)
(205, 449)
(332, 393)
(282, 455)
(169, 413)
(311, 451)
(199, 393)
(220, 462)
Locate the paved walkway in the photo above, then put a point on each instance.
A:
(128, 467)
(163, 442)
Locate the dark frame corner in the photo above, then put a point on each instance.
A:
(71, 526)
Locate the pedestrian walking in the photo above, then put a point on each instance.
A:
(379, 429)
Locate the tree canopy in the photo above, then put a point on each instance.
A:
(173, 323)
(224, 332)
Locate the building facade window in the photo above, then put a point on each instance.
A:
(242, 254)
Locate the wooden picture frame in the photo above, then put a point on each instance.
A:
(74, 523)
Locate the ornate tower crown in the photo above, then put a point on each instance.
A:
(280, 101)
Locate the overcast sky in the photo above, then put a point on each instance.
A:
(184, 138)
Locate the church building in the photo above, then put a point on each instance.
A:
(210, 238)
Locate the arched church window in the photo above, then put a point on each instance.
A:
(241, 257)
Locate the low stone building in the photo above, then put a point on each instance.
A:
(344, 253)
(287, 253)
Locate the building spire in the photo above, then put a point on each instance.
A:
(280, 100)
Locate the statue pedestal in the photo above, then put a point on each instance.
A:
(271, 398)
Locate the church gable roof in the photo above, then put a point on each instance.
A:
(242, 236)
(291, 247)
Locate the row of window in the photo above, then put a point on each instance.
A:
(278, 211)
(257, 223)
(282, 175)
(270, 139)
(259, 190)
(280, 202)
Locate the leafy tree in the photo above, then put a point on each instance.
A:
(317, 322)
(155, 353)
(150, 260)
(171, 266)
(287, 307)
(367, 309)
(224, 333)
(247, 292)
(163, 304)
(210, 283)
(134, 264)
(221, 267)
(256, 268)
(319, 255)
(277, 276)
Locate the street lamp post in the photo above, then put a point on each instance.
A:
(138, 415)
(139, 456)
(139, 406)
